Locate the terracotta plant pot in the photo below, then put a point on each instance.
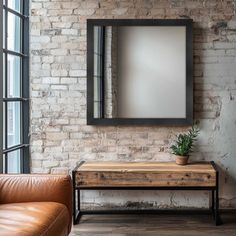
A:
(181, 160)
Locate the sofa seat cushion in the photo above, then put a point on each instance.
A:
(34, 219)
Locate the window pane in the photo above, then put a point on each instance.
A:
(13, 123)
(96, 109)
(3, 27)
(97, 65)
(96, 37)
(14, 32)
(13, 76)
(97, 89)
(4, 125)
(13, 162)
(3, 74)
(3, 163)
(15, 5)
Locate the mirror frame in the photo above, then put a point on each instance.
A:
(189, 72)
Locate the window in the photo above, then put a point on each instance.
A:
(15, 83)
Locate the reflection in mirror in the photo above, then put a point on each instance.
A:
(139, 72)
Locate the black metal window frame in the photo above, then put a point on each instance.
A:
(23, 99)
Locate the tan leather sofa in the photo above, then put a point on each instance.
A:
(35, 205)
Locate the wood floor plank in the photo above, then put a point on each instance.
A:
(150, 225)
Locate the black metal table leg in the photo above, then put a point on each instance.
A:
(213, 203)
(79, 213)
(74, 197)
(217, 216)
(217, 208)
(215, 197)
(76, 206)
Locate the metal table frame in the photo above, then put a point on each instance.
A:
(213, 209)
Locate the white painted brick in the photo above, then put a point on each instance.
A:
(60, 72)
(41, 39)
(49, 164)
(52, 5)
(50, 80)
(60, 170)
(70, 5)
(48, 59)
(35, 32)
(59, 87)
(59, 12)
(61, 121)
(59, 39)
(59, 52)
(69, 32)
(68, 80)
(56, 136)
(77, 73)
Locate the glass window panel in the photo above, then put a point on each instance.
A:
(97, 89)
(98, 40)
(13, 123)
(13, 162)
(95, 39)
(4, 74)
(96, 109)
(15, 4)
(4, 125)
(4, 2)
(14, 32)
(3, 163)
(13, 76)
(3, 27)
(97, 65)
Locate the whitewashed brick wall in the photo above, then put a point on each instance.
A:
(60, 137)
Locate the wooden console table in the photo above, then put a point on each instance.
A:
(144, 175)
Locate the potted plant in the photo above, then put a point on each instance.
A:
(183, 145)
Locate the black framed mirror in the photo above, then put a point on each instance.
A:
(139, 72)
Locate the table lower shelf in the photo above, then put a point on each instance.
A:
(213, 209)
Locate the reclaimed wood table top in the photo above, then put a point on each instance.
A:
(106, 173)
(145, 166)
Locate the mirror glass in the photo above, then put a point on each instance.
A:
(139, 71)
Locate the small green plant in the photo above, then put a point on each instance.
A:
(184, 142)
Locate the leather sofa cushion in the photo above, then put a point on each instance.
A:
(34, 219)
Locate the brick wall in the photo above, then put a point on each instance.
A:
(60, 137)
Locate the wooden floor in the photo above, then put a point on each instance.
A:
(158, 225)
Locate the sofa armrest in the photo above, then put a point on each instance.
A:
(36, 188)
